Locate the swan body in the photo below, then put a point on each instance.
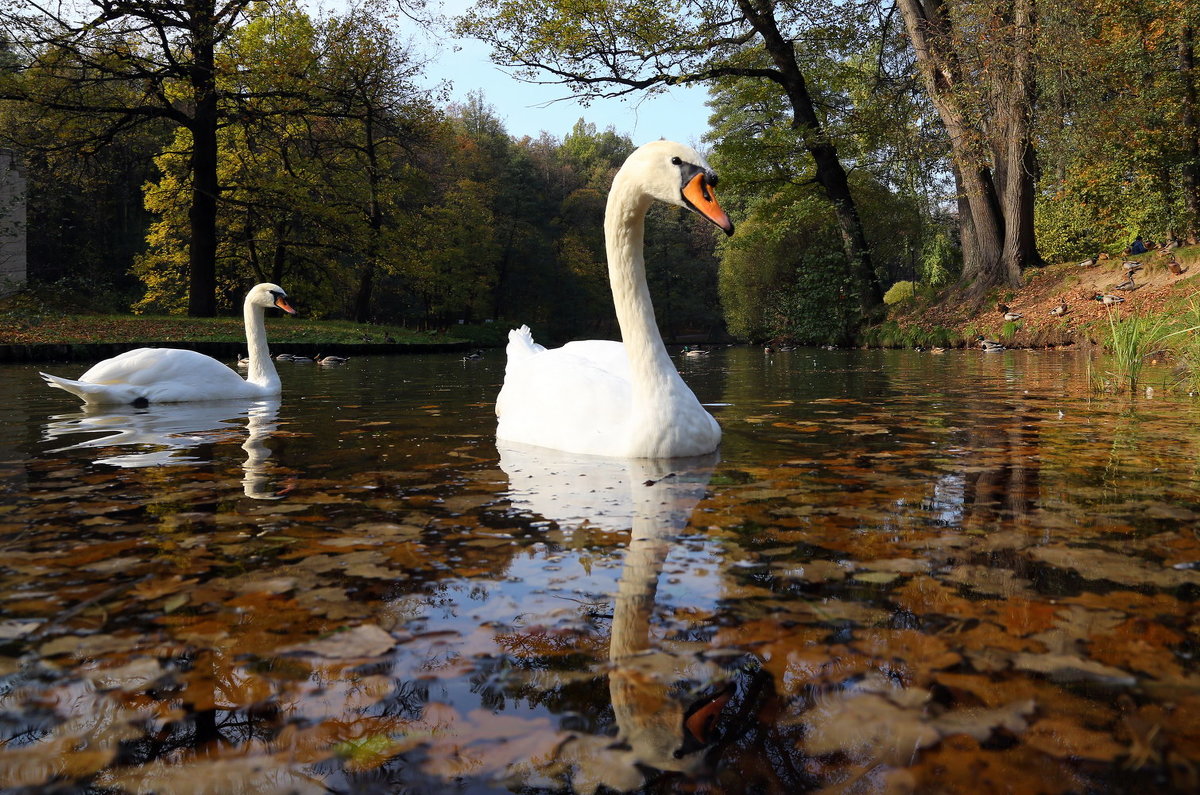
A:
(618, 399)
(173, 375)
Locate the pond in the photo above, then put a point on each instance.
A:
(904, 572)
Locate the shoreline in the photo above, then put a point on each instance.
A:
(29, 353)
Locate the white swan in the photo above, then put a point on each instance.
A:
(606, 398)
(172, 375)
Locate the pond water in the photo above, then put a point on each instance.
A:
(904, 572)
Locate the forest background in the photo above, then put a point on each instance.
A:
(178, 151)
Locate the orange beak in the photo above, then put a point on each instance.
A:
(700, 197)
(699, 723)
(283, 303)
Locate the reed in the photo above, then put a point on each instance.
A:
(1130, 341)
(1185, 346)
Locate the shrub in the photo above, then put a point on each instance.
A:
(900, 291)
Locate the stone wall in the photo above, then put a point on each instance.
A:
(12, 223)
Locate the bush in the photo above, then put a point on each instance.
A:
(900, 291)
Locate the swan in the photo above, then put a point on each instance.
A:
(172, 375)
(605, 398)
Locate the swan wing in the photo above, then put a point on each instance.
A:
(566, 399)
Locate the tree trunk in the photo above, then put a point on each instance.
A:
(202, 215)
(831, 176)
(366, 277)
(1190, 116)
(1020, 164)
(997, 227)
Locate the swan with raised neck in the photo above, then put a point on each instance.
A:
(144, 376)
(618, 399)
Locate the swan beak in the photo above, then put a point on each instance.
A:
(283, 303)
(699, 196)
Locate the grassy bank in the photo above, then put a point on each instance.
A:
(26, 318)
(945, 320)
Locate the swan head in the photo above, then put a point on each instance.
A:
(679, 175)
(268, 295)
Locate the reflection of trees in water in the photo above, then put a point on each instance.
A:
(1002, 482)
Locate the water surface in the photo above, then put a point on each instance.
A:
(902, 572)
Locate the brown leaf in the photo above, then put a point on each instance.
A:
(365, 640)
(1063, 738)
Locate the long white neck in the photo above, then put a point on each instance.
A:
(624, 235)
(261, 369)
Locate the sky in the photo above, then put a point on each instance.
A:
(527, 109)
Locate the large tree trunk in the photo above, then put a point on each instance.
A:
(997, 225)
(202, 215)
(1019, 163)
(831, 176)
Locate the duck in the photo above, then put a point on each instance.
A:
(1012, 317)
(331, 360)
(1128, 284)
(936, 349)
(688, 351)
(284, 357)
(1108, 300)
(989, 346)
(1131, 265)
(243, 361)
(299, 359)
(1088, 263)
(618, 399)
(146, 376)
(1060, 310)
(473, 356)
(1174, 267)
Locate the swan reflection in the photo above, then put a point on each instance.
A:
(662, 718)
(166, 435)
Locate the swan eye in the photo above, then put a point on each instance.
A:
(676, 161)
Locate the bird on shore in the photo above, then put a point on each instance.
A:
(1088, 263)
(1174, 267)
(1108, 300)
(618, 399)
(1060, 310)
(1012, 317)
(145, 376)
(1128, 284)
(1131, 265)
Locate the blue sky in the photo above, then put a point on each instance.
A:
(528, 109)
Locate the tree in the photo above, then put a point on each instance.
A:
(614, 49)
(167, 49)
(1118, 135)
(380, 118)
(977, 64)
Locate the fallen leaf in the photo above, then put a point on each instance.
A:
(365, 640)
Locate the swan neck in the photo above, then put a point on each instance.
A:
(624, 234)
(260, 369)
